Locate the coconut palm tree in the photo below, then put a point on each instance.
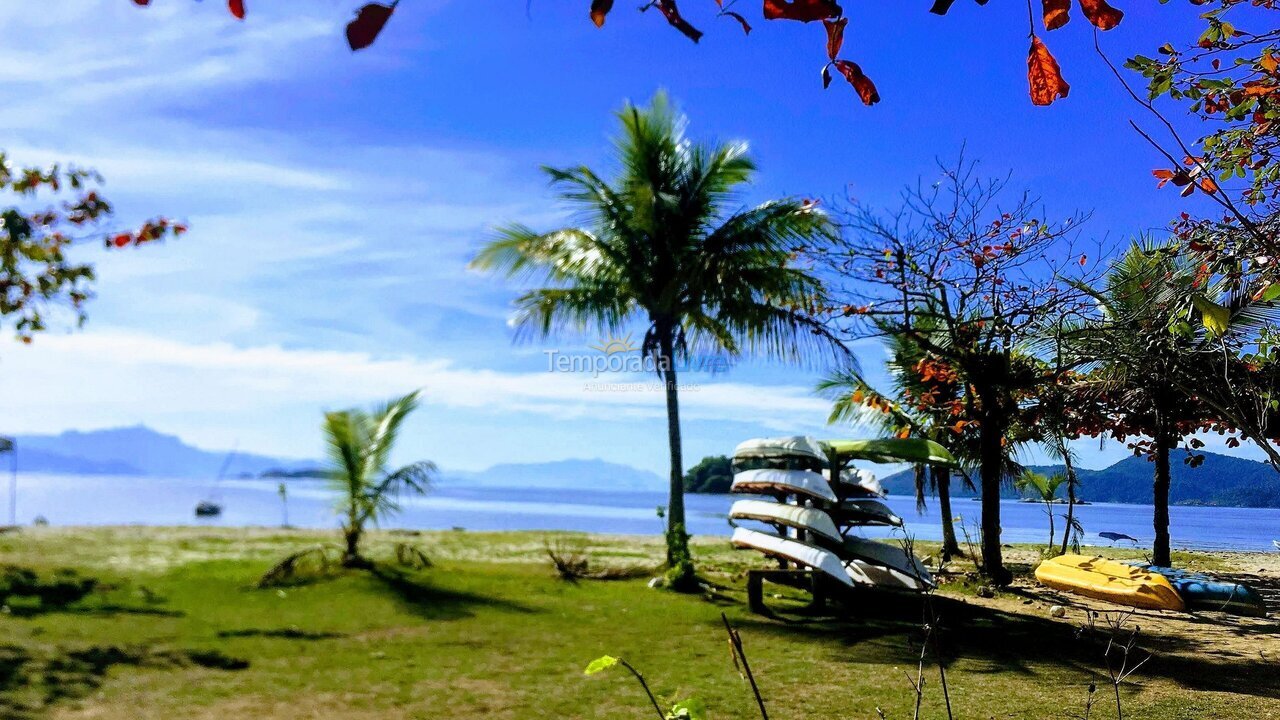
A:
(1142, 370)
(360, 445)
(664, 242)
(1043, 488)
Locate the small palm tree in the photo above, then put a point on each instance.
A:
(904, 412)
(1043, 488)
(360, 446)
(664, 244)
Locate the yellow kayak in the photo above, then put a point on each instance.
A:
(1104, 579)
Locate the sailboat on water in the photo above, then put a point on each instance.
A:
(210, 506)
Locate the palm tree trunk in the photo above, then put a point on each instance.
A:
(1071, 493)
(677, 537)
(992, 459)
(351, 555)
(1048, 509)
(1160, 550)
(942, 480)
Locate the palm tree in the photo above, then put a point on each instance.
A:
(917, 407)
(662, 243)
(1044, 488)
(1143, 367)
(360, 445)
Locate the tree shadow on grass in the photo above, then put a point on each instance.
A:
(887, 631)
(431, 602)
(34, 678)
(290, 633)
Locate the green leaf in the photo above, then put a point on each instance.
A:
(604, 662)
(691, 709)
(1215, 317)
(1272, 292)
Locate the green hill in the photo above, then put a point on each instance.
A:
(1222, 480)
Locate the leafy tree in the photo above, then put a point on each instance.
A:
(38, 273)
(713, 474)
(1145, 375)
(1044, 488)
(974, 278)
(360, 445)
(663, 244)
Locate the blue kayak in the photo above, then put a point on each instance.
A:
(1205, 592)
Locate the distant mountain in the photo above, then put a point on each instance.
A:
(561, 474)
(1222, 480)
(135, 450)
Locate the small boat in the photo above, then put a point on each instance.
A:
(890, 557)
(865, 512)
(1205, 592)
(1104, 579)
(793, 516)
(208, 508)
(823, 561)
(1114, 536)
(785, 482)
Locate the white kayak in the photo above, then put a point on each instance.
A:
(856, 482)
(793, 516)
(823, 561)
(782, 447)
(885, 578)
(850, 574)
(890, 557)
(786, 482)
(865, 512)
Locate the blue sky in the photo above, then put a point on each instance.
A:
(335, 199)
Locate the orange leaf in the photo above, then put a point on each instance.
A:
(860, 82)
(362, 31)
(599, 9)
(1102, 15)
(802, 10)
(1044, 74)
(1056, 13)
(835, 36)
(237, 8)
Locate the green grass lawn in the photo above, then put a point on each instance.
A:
(490, 632)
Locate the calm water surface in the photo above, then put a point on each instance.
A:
(115, 500)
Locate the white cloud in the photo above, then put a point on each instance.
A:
(111, 378)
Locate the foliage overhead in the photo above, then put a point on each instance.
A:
(37, 271)
(1043, 72)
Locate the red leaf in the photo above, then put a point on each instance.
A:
(121, 240)
(1056, 13)
(860, 82)
(362, 31)
(1102, 15)
(802, 10)
(1044, 74)
(746, 27)
(237, 8)
(826, 76)
(835, 36)
(142, 3)
(672, 13)
(599, 9)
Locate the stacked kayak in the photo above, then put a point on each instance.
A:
(814, 506)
